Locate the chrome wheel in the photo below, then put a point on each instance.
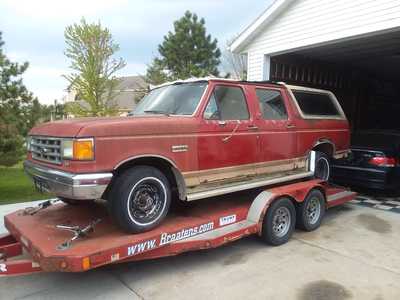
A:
(147, 200)
(313, 210)
(281, 221)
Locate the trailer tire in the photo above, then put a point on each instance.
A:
(279, 222)
(322, 166)
(140, 199)
(311, 211)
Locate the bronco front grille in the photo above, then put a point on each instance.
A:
(46, 149)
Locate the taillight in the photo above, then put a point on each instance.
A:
(383, 161)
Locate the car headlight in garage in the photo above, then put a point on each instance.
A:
(78, 149)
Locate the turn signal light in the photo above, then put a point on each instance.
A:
(382, 161)
(83, 149)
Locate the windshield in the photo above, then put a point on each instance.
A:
(175, 99)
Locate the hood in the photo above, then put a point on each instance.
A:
(115, 126)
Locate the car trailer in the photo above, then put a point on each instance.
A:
(66, 238)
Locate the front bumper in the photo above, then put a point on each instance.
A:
(68, 185)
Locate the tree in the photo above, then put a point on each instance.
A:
(14, 98)
(156, 74)
(91, 49)
(188, 51)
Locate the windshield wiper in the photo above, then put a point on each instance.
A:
(158, 112)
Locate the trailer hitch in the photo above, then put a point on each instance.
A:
(30, 211)
(78, 233)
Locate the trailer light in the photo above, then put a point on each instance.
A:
(383, 161)
(63, 265)
(85, 263)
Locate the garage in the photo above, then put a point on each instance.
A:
(349, 47)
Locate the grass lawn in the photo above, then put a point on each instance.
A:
(15, 186)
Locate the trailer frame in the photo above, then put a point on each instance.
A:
(204, 225)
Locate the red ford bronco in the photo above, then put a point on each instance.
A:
(189, 140)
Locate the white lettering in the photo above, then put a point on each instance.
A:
(167, 238)
(3, 268)
(227, 220)
(141, 247)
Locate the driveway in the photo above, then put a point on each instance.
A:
(354, 255)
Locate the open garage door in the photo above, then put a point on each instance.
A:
(363, 73)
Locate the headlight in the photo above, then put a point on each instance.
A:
(78, 149)
(28, 142)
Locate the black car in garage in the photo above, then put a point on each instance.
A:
(374, 161)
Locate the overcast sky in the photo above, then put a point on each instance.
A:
(34, 31)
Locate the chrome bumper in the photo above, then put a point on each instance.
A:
(68, 185)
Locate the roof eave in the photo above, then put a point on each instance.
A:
(240, 43)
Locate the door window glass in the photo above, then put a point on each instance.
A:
(271, 103)
(227, 103)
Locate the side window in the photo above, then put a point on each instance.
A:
(316, 104)
(271, 103)
(227, 103)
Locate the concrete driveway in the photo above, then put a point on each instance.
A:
(354, 255)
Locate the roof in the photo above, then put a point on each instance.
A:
(131, 83)
(250, 31)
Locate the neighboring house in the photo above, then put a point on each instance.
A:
(350, 47)
(128, 92)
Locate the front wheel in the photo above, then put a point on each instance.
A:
(279, 222)
(140, 199)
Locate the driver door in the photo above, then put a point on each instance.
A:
(227, 142)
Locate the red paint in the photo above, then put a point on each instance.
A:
(41, 238)
(121, 138)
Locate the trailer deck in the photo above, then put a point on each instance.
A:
(207, 224)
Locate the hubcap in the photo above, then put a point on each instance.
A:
(313, 210)
(281, 221)
(146, 201)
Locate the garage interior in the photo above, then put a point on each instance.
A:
(362, 72)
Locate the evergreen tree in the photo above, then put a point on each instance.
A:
(187, 52)
(14, 99)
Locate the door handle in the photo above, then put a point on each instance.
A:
(252, 127)
(290, 126)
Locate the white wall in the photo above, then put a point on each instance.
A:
(309, 22)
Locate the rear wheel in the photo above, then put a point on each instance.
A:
(140, 199)
(322, 166)
(279, 222)
(311, 212)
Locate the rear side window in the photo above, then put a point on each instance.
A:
(271, 103)
(227, 103)
(316, 104)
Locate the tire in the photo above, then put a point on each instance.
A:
(311, 212)
(322, 166)
(279, 222)
(140, 199)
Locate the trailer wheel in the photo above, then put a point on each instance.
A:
(322, 166)
(311, 212)
(279, 222)
(140, 199)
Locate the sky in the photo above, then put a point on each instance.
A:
(33, 31)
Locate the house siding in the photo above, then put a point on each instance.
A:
(311, 22)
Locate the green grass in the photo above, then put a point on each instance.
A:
(15, 186)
